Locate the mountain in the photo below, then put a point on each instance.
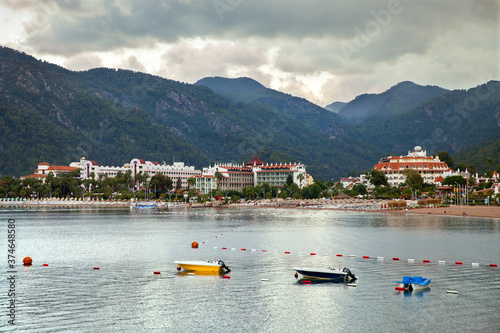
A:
(247, 90)
(451, 122)
(335, 106)
(480, 152)
(399, 99)
(51, 114)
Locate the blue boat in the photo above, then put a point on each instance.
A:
(413, 283)
(144, 205)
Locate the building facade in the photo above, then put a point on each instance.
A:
(429, 167)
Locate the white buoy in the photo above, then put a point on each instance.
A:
(411, 260)
(69, 267)
(264, 280)
(452, 292)
(352, 256)
(380, 258)
(232, 249)
(475, 264)
(442, 261)
(253, 250)
(215, 247)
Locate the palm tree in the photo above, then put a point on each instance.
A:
(490, 162)
(191, 181)
(219, 177)
(300, 177)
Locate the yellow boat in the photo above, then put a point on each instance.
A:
(203, 266)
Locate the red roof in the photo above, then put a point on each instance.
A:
(255, 161)
(34, 176)
(43, 163)
(439, 179)
(61, 167)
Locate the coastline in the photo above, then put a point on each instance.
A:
(352, 205)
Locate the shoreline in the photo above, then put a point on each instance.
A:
(351, 205)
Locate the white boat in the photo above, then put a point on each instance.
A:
(331, 274)
(203, 266)
(144, 205)
(413, 283)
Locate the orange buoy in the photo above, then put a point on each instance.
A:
(27, 261)
(194, 245)
(156, 272)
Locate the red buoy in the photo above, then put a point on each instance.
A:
(264, 250)
(366, 257)
(400, 288)
(296, 275)
(156, 272)
(287, 252)
(493, 265)
(426, 260)
(243, 249)
(96, 268)
(395, 258)
(458, 263)
(313, 254)
(339, 255)
(27, 261)
(224, 248)
(45, 264)
(194, 245)
(226, 277)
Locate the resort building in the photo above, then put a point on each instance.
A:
(254, 173)
(44, 169)
(429, 168)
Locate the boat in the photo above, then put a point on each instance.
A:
(203, 266)
(330, 274)
(413, 283)
(144, 205)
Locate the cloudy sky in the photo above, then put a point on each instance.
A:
(323, 50)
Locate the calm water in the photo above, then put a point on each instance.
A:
(125, 295)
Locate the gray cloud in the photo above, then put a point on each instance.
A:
(365, 44)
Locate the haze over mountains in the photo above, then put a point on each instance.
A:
(50, 114)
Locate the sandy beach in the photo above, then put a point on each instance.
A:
(474, 211)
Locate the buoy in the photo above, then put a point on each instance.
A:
(224, 248)
(179, 268)
(351, 285)
(264, 250)
(45, 264)
(296, 275)
(426, 260)
(69, 267)
(400, 288)
(243, 249)
(287, 252)
(395, 259)
(339, 255)
(306, 282)
(475, 264)
(458, 263)
(27, 261)
(452, 291)
(493, 265)
(313, 254)
(215, 247)
(156, 272)
(96, 268)
(366, 257)
(352, 256)
(380, 258)
(265, 280)
(253, 250)
(442, 261)
(226, 277)
(194, 245)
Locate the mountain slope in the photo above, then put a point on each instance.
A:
(399, 99)
(335, 106)
(480, 152)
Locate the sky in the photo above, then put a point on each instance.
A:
(321, 50)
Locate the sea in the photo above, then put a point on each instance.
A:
(111, 269)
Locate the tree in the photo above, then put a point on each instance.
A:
(178, 184)
(360, 189)
(413, 178)
(454, 180)
(163, 183)
(490, 162)
(444, 156)
(191, 181)
(300, 177)
(219, 177)
(289, 180)
(377, 178)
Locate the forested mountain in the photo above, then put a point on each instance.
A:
(480, 152)
(450, 122)
(335, 106)
(50, 114)
(397, 100)
(247, 90)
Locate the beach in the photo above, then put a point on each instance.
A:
(474, 211)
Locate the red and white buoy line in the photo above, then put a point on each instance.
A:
(338, 255)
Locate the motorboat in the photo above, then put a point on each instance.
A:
(331, 274)
(144, 205)
(413, 283)
(203, 266)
